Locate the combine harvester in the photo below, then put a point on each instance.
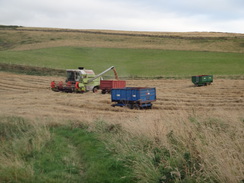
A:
(81, 80)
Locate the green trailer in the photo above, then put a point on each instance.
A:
(202, 80)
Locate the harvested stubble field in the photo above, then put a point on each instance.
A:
(31, 96)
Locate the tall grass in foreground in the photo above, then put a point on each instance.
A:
(34, 152)
(19, 141)
(189, 148)
(147, 149)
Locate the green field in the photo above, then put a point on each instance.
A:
(131, 62)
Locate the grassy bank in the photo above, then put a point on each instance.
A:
(197, 150)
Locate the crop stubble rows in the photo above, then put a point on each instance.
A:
(31, 96)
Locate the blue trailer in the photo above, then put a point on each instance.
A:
(133, 97)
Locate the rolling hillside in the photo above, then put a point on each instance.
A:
(135, 54)
(20, 38)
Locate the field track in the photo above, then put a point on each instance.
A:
(30, 96)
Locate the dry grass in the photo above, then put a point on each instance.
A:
(217, 142)
(37, 38)
(213, 140)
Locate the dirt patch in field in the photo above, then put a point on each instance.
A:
(30, 96)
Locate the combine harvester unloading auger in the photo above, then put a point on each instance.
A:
(80, 80)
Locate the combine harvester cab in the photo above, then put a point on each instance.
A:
(79, 80)
(202, 80)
